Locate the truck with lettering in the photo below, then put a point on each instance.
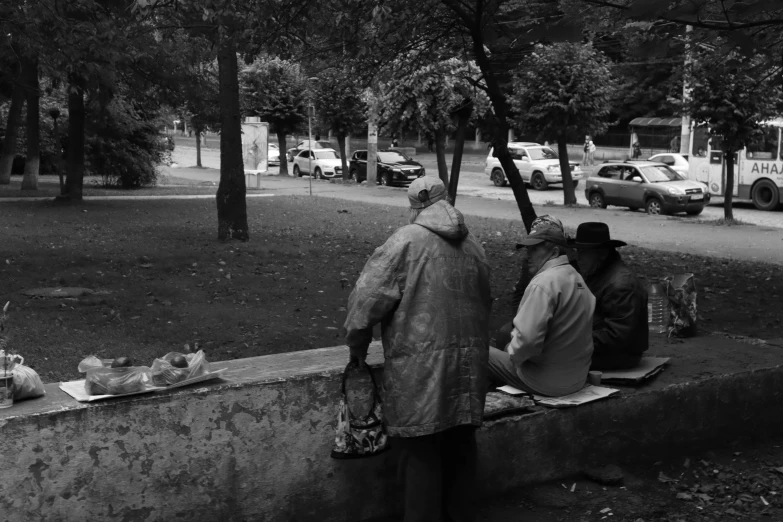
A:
(758, 168)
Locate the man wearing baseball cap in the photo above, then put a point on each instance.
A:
(551, 342)
(428, 286)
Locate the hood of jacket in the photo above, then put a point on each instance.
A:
(444, 220)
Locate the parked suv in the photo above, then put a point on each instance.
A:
(537, 164)
(656, 187)
(326, 163)
(394, 168)
(305, 144)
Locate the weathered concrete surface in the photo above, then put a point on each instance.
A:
(255, 446)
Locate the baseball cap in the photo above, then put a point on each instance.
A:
(425, 191)
(544, 228)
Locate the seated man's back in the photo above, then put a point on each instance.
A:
(556, 364)
(551, 342)
(620, 329)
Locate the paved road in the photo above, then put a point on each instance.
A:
(473, 182)
(675, 234)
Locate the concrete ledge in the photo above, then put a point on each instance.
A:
(256, 446)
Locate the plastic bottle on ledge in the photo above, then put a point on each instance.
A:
(657, 309)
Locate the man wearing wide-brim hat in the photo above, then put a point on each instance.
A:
(620, 331)
(551, 342)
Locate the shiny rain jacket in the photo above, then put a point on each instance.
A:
(429, 287)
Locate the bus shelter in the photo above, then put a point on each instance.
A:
(654, 136)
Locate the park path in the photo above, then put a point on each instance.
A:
(674, 234)
(474, 182)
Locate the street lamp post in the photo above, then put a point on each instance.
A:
(310, 111)
(310, 146)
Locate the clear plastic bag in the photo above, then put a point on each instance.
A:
(91, 362)
(117, 381)
(164, 374)
(27, 383)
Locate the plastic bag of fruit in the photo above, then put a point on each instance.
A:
(114, 376)
(176, 367)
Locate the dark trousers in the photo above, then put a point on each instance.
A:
(439, 473)
(611, 362)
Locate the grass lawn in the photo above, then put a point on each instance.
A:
(48, 189)
(166, 281)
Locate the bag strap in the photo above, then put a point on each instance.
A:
(375, 397)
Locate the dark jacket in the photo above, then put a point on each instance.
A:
(620, 318)
(429, 286)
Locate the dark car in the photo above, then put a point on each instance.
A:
(394, 168)
(656, 187)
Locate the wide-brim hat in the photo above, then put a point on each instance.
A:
(594, 235)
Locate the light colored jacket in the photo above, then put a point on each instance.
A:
(428, 286)
(552, 341)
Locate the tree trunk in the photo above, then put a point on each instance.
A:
(440, 155)
(60, 156)
(728, 195)
(11, 133)
(343, 156)
(283, 171)
(198, 149)
(569, 194)
(74, 169)
(500, 108)
(463, 116)
(231, 202)
(31, 165)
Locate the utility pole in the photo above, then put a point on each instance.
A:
(372, 149)
(685, 128)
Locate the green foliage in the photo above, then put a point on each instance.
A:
(275, 90)
(564, 89)
(733, 97)
(202, 102)
(429, 98)
(338, 102)
(123, 144)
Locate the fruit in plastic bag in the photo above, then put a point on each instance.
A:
(27, 383)
(121, 362)
(166, 373)
(179, 361)
(117, 381)
(90, 362)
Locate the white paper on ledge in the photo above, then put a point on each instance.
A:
(511, 390)
(587, 394)
(76, 390)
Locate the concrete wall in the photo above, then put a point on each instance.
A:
(256, 446)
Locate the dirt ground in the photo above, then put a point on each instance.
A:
(743, 482)
(166, 281)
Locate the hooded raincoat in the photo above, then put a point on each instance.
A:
(428, 286)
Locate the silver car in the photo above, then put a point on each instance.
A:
(643, 184)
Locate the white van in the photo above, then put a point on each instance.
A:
(539, 165)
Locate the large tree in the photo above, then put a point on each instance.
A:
(733, 96)
(339, 105)
(563, 91)
(435, 99)
(277, 91)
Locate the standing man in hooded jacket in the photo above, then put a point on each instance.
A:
(428, 286)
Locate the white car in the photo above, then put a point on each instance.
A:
(305, 144)
(326, 163)
(273, 154)
(537, 164)
(677, 162)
